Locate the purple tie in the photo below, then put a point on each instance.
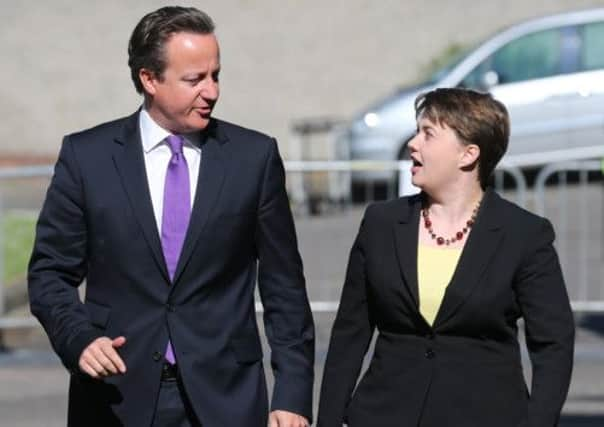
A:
(176, 212)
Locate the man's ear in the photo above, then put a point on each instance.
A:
(148, 80)
(469, 156)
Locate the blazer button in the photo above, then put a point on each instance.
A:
(170, 307)
(430, 354)
(157, 356)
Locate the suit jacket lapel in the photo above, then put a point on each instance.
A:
(478, 251)
(209, 185)
(130, 165)
(406, 240)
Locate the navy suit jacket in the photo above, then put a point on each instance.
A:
(97, 224)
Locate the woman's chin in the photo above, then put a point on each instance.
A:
(417, 182)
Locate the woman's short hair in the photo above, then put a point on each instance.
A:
(475, 117)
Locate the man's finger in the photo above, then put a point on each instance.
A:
(272, 420)
(115, 358)
(279, 418)
(103, 355)
(86, 368)
(94, 364)
(118, 342)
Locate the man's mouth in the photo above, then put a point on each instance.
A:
(204, 111)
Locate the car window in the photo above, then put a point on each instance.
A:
(533, 56)
(538, 55)
(592, 49)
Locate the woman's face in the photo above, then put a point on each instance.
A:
(437, 155)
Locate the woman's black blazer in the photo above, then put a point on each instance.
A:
(465, 370)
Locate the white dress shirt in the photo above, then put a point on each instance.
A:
(157, 155)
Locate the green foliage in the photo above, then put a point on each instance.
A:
(18, 232)
(448, 56)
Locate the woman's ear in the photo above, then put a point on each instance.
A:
(469, 156)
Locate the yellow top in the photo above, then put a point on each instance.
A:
(435, 268)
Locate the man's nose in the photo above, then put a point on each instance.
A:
(210, 91)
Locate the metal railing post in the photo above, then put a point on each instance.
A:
(2, 266)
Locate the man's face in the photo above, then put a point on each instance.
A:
(182, 99)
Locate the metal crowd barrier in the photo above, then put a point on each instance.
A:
(7, 175)
(576, 210)
(337, 186)
(508, 178)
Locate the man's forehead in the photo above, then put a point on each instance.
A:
(185, 49)
(190, 40)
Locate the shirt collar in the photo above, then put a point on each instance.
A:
(153, 135)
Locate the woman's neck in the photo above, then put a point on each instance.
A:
(453, 207)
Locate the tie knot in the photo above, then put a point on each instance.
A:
(175, 142)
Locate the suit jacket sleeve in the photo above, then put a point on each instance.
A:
(350, 338)
(58, 262)
(287, 317)
(549, 327)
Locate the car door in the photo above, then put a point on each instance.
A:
(586, 104)
(531, 75)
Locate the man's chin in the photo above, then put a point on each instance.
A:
(199, 124)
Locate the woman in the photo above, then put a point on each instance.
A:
(444, 276)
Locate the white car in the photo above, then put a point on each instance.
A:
(549, 72)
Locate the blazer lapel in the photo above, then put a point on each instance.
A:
(209, 185)
(478, 251)
(406, 240)
(130, 165)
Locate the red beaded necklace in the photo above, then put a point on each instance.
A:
(440, 240)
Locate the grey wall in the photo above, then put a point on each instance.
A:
(64, 61)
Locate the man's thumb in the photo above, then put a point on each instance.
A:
(118, 342)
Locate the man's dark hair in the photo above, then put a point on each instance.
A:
(476, 118)
(147, 42)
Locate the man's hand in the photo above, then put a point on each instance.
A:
(286, 419)
(100, 358)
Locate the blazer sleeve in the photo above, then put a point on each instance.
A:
(288, 319)
(549, 327)
(350, 339)
(58, 262)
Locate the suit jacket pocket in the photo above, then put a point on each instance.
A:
(98, 314)
(246, 348)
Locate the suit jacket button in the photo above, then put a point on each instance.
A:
(157, 356)
(430, 354)
(170, 307)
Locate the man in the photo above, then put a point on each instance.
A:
(171, 215)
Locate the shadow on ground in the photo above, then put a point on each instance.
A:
(570, 420)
